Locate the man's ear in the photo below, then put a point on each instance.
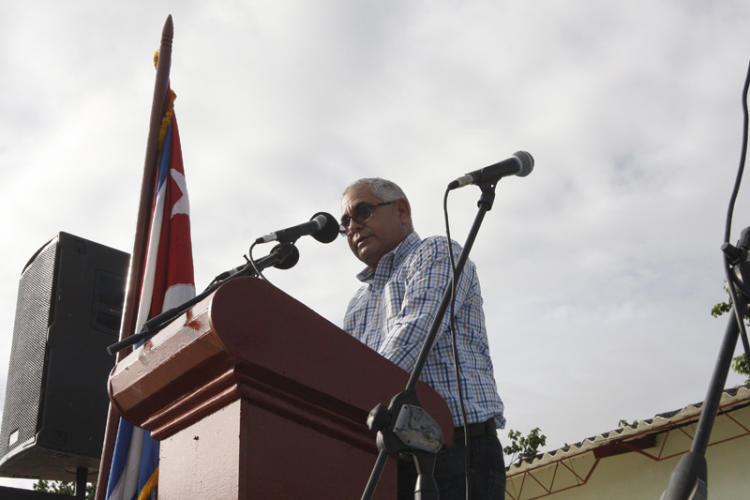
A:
(404, 210)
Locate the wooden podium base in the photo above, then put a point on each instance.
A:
(246, 452)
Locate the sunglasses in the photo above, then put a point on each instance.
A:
(360, 213)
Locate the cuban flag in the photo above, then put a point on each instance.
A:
(167, 282)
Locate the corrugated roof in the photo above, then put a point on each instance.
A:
(731, 399)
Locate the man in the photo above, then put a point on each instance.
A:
(404, 282)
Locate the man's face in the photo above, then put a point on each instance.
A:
(381, 232)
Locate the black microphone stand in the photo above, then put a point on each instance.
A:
(282, 256)
(403, 426)
(689, 479)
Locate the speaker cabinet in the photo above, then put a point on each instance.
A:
(68, 310)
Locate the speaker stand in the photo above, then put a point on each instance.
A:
(82, 473)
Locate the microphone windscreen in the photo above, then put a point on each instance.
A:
(289, 256)
(527, 163)
(329, 230)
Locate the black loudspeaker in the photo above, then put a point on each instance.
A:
(69, 305)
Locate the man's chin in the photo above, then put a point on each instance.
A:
(367, 257)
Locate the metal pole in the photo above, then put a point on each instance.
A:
(689, 479)
(81, 477)
(130, 307)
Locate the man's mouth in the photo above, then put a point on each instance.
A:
(362, 241)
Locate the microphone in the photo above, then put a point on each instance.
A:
(520, 164)
(322, 226)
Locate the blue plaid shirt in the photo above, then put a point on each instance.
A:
(392, 314)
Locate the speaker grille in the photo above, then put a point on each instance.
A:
(27, 362)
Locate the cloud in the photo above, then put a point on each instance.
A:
(598, 269)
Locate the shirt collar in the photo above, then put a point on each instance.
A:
(391, 260)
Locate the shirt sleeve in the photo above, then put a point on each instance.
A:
(425, 278)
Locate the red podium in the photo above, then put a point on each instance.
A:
(254, 395)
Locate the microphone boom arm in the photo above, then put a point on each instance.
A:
(277, 256)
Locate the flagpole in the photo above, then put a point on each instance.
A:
(130, 307)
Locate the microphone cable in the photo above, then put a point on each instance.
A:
(452, 332)
(739, 310)
(252, 262)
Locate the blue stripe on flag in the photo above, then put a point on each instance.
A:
(120, 455)
(166, 159)
(149, 461)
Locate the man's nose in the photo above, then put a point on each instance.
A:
(353, 227)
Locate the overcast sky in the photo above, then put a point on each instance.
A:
(598, 270)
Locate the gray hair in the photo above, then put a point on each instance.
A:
(382, 188)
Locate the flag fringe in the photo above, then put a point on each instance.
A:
(150, 485)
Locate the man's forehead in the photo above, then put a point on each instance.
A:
(358, 195)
